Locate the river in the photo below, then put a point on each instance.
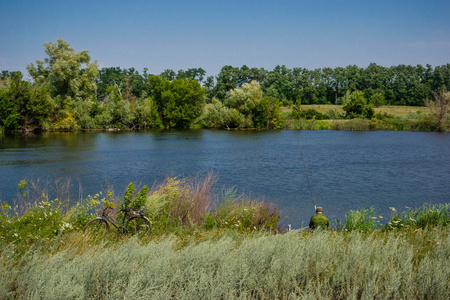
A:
(347, 169)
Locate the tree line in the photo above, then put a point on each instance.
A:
(69, 91)
(397, 85)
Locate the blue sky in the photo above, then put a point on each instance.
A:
(211, 34)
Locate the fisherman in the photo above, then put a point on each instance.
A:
(319, 220)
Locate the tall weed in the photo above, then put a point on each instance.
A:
(242, 214)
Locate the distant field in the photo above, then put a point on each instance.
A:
(393, 110)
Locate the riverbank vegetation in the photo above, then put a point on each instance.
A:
(69, 92)
(215, 244)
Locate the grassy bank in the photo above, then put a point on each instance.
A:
(386, 118)
(218, 245)
(395, 110)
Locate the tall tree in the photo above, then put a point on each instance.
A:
(245, 98)
(23, 107)
(178, 102)
(227, 80)
(70, 76)
(281, 80)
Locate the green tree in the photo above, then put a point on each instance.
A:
(145, 113)
(114, 111)
(280, 79)
(23, 107)
(357, 107)
(220, 116)
(245, 98)
(179, 102)
(129, 82)
(268, 114)
(227, 79)
(192, 73)
(68, 75)
(377, 99)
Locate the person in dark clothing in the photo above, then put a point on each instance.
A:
(319, 220)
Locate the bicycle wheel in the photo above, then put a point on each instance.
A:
(138, 225)
(96, 227)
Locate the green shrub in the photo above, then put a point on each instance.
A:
(321, 125)
(334, 114)
(426, 123)
(377, 99)
(361, 220)
(128, 196)
(400, 125)
(426, 216)
(42, 220)
(89, 207)
(356, 106)
(297, 113)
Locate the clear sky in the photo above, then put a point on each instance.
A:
(211, 34)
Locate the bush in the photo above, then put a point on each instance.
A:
(298, 113)
(90, 207)
(426, 123)
(356, 106)
(361, 220)
(334, 114)
(426, 216)
(220, 116)
(377, 99)
(42, 220)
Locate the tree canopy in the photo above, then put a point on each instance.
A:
(178, 102)
(67, 73)
(23, 107)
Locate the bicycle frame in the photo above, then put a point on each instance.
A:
(132, 221)
(117, 225)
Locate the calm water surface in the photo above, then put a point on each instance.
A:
(347, 170)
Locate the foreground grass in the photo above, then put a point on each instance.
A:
(229, 252)
(319, 265)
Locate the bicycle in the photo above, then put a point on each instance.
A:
(134, 222)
